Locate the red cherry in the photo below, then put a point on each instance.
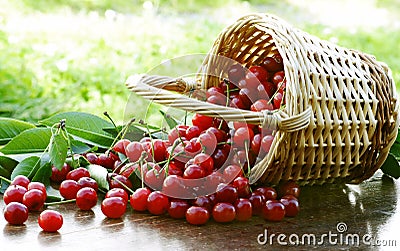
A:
(15, 213)
(273, 64)
(92, 158)
(289, 188)
(121, 145)
(203, 201)
(138, 199)
(291, 204)
(154, 178)
(251, 81)
(134, 151)
(115, 181)
(157, 149)
(202, 121)
(257, 203)
(248, 96)
(177, 209)
(225, 84)
(282, 87)
(231, 172)
(194, 172)
(277, 100)
(236, 73)
(157, 203)
(261, 92)
(113, 207)
(117, 192)
(192, 147)
(205, 161)
(14, 193)
(237, 125)
(260, 105)
(219, 134)
(60, 175)
(86, 198)
(68, 189)
(78, 173)
(259, 72)
(212, 91)
(213, 180)
(174, 169)
(242, 135)
(217, 99)
(219, 158)
(37, 185)
(278, 77)
(226, 193)
(208, 141)
(21, 180)
(173, 186)
(268, 193)
(197, 215)
(237, 102)
(106, 161)
(244, 209)
(256, 143)
(224, 212)
(243, 187)
(269, 87)
(192, 132)
(273, 210)
(34, 199)
(88, 182)
(266, 143)
(50, 220)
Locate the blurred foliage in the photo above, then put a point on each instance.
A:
(65, 55)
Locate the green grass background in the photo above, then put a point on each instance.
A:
(75, 55)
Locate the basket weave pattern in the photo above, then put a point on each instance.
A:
(341, 113)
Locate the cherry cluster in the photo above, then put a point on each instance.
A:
(24, 196)
(198, 172)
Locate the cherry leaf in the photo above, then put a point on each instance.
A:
(9, 128)
(29, 141)
(391, 166)
(58, 150)
(84, 127)
(99, 174)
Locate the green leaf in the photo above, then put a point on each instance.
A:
(53, 195)
(99, 174)
(79, 147)
(395, 150)
(58, 150)
(43, 174)
(84, 126)
(7, 165)
(9, 128)
(391, 166)
(28, 141)
(170, 120)
(26, 166)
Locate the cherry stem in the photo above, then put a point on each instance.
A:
(122, 184)
(59, 202)
(5, 179)
(112, 121)
(247, 156)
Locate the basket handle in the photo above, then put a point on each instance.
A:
(160, 89)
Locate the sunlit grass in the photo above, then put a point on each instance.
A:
(76, 55)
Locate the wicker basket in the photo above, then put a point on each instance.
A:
(341, 113)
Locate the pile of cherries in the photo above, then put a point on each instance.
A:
(199, 172)
(24, 196)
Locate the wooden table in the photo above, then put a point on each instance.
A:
(367, 210)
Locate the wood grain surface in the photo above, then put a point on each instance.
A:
(368, 210)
